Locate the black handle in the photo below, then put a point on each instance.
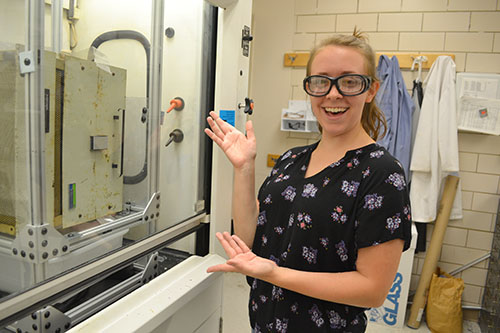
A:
(175, 136)
(248, 106)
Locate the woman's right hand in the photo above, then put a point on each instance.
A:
(239, 149)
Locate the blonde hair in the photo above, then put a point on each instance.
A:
(372, 119)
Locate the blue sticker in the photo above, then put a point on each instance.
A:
(228, 116)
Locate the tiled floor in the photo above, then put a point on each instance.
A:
(235, 312)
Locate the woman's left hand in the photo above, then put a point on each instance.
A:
(242, 259)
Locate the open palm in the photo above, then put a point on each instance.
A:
(239, 148)
(242, 259)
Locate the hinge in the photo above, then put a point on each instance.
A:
(246, 38)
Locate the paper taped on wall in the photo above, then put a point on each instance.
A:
(479, 115)
(479, 102)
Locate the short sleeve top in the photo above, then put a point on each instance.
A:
(318, 224)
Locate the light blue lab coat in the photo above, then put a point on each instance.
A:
(397, 105)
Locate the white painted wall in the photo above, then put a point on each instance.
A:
(13, 27)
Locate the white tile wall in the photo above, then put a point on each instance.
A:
(478, 182)
(479, 240)
(423, 41)
(479, 143)
(483, 62)
(472, 294)
(467, 199)
(384, 41)
(469, 42)
(337, 6)
(471, 5)
(474, 220)
(303, 42)
(489, 164)
(316, 23)
(455, 236)
(485, 21)
(424, 5)
(364, 22)
(446, 22)
(496, 44)
(475, 276)
(447, 267)
(321, 37)
(305, 7)
(459, 254)
(460, 59)
(400, 22)
(379, 6)
(485, 202)
(468, 161)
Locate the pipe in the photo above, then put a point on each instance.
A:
(137, 36)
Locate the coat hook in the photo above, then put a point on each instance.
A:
(418, 60)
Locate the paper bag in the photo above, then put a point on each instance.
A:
(444, 303)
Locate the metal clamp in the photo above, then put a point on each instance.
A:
(38, 244)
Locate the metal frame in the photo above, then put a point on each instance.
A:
(35, 11)
(57, 18)
(138, 215)
(35, 19)
(155, 83)
(16, 307)
(94, 305)
(40, 243)
(50, 319)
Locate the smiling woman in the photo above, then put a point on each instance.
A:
(372, 119)
(324, 238)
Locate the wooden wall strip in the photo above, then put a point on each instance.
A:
(299, 59)
(296, 59)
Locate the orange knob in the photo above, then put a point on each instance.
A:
(177, 103)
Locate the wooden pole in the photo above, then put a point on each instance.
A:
(433, 252)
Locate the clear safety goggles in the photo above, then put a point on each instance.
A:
(347, 84)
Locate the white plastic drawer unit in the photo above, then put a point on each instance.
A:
(105, 198)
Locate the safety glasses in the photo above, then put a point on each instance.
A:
(347, 85)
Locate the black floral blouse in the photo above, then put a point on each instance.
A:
(317, 224)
